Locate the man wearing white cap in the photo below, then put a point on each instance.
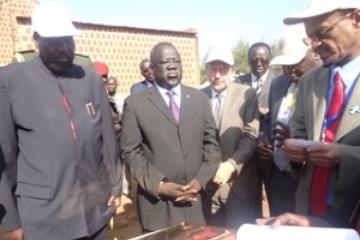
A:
(235, 191)
(61, 171)
(296, 58)
(327, 108)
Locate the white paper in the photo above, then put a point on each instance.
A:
(302, 143)
(258, 232)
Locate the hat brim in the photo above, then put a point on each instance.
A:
(315, 12)
(287, 59)
(228, 62)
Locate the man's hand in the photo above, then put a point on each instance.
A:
(17, 234)
(114, 201)
(295, 153)
(224, 173)
(285, 219)
(326, 154)
(280, 133)
(172, 190)
(264, 147)
(193, 188)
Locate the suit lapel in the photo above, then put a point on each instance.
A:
(349, 121)
(319, 102)
(155, 98)
(282, 91)
(185, 113)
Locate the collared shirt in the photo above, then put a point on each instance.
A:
(255, 81)
(148, 83)
(349, 73)
(177, 96)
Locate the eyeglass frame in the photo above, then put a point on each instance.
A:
(323, 32)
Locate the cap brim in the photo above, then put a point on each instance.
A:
(287, 59)
(316, 11)
(220, 60)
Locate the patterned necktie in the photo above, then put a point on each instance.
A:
(217, 109)
(320, 180)
(174, 108)
(259, 86)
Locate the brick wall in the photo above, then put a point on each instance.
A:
(9, 9)
(122, 48)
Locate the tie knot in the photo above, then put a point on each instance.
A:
(170, 93)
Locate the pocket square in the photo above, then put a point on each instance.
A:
(355, 109)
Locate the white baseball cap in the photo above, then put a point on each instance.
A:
(50, 19)
(320, 7)
(292, 47)
(220, 54)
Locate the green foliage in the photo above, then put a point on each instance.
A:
(240, 53)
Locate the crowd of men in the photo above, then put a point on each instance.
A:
(197, 156)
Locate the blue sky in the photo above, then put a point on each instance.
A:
(217, 22)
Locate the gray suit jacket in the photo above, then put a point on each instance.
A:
(307, 123)
(263, 98)
(154, 146)
(59, 161)
(239, 127)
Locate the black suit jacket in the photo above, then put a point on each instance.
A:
(154, 146)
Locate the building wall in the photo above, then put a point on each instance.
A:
(9, 9)
(122, 48)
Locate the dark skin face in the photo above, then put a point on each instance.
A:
(294, 72)
(56, 53)
(259, 60)
(166, 65)
(146, 71)
(335, 36)
(111, 85)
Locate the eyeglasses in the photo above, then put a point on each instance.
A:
(323, 33)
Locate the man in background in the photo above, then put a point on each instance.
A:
(260, 78)
(147, 73)
(296, 58)
(235, 193)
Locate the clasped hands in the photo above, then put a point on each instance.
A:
(180, 193)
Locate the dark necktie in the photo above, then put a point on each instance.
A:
(173, 107)
(217, 109)
(320, 180)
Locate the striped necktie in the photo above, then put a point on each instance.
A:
(320, 179)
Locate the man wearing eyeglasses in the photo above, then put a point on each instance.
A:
(326, 109)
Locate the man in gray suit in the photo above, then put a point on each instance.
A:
(296, 58)
(327, 109)
(168, 143)
(235, 192)
(57, 142)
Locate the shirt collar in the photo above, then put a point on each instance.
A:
(262, 78)
(348, 72)
(215, 93)
(163, 91)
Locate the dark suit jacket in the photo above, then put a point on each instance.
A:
(61, 159)
(154, 146)
(263, 98)
(138, 87)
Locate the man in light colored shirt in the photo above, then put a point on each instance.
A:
(234, 195)
(324, 110)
